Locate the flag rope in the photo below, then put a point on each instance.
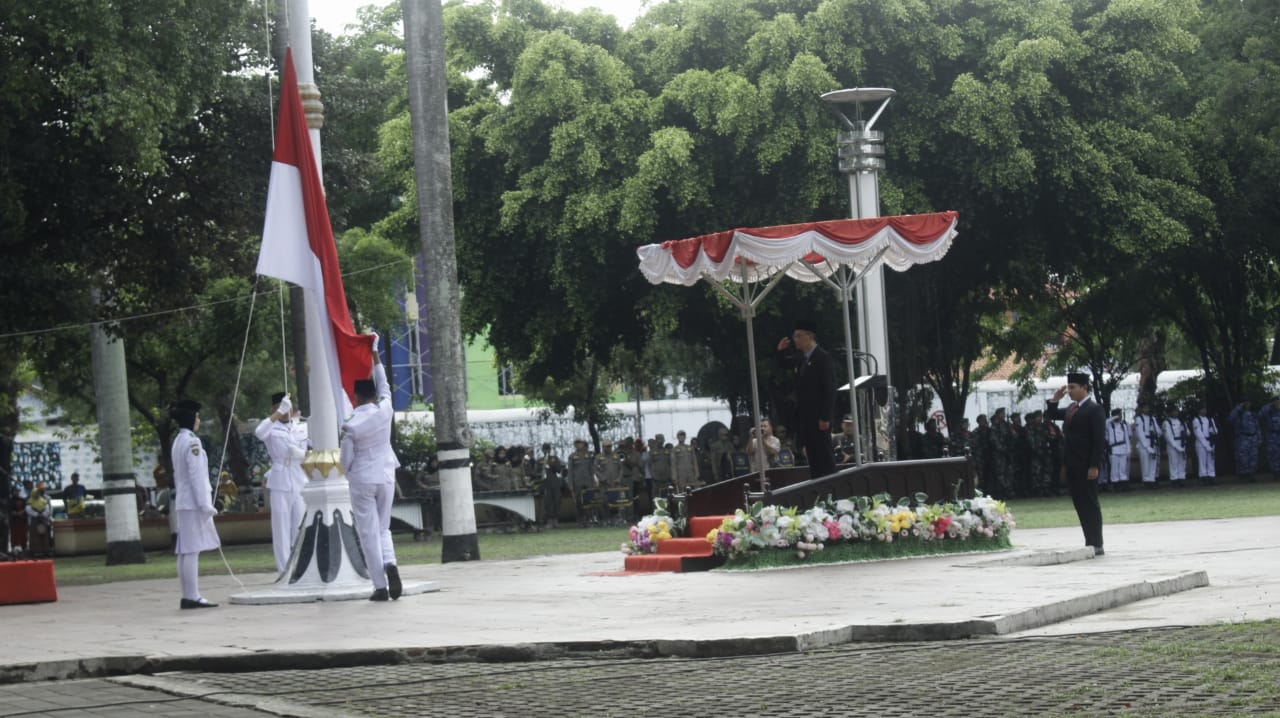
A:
(231, 415)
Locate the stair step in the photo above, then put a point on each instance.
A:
(685, 547)
(653, 563)
(659, 563)
(700, 526)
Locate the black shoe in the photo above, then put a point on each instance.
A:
(188, 603)
(1097, 551)
(379, 594)
(394, 587)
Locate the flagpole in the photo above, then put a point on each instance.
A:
(325, 562)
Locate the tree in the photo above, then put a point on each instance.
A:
(91, 94)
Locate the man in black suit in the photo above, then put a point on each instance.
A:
(1085, 450)
(815, 379)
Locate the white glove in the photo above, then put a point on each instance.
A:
(286, 406)
(377, 340)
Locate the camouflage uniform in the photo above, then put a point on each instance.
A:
(1244, 424)
(552, 471)
(1271, 434)
(1001, 484)
(980, 451)
(933, 442)
(1040, 479)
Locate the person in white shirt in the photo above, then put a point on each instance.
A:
(287, 445)
(1117, 431)
(1175, 448)
(1206, 433)
(192, 503)
(369, 463)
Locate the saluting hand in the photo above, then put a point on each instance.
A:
(1057, 395)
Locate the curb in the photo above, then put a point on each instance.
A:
(656, 648)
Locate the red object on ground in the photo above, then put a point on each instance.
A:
(679, 555)
(27, 582)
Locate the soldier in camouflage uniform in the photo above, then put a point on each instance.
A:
(1002, 479)
(1040, 479)
(1271, 435)
(721, 448)
(1247, 439)
(933, 442)
(1021, 457)
(958, 441)
(980, 450)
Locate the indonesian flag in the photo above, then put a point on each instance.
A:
(298, 246)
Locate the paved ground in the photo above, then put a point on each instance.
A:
(761, 641)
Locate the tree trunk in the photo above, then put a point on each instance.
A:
(119, 488)
(429, 112)
(10, 387)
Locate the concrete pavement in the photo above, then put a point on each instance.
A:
(558, 606)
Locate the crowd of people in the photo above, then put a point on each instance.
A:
(1018, 456)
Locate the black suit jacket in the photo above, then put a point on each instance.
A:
(1085, 446)
(815, 388)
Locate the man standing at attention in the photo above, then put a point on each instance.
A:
(287, 447)
(1146, 430)
(192, 503)
(369, 463)
(1118, 439)
(815, 381)
(1085, 451)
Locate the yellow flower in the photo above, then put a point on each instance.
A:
(712, 535)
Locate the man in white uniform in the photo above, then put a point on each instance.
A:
(192, 503)
(1146, 432)
(1175, 447)
(1206, 432)
(287, 447)
(1118, 439)
(369, 463)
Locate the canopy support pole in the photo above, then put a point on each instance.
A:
(844, 290)
(747, 304)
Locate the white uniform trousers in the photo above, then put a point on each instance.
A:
(1150, 463)
(371, 511)
(1177, 463)
(287, 508)
(1206, 462)
(1119, 468)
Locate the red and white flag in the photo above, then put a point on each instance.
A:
(298, 246)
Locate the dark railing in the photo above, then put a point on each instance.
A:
(940, 479)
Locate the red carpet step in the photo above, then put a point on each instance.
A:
(681, 555)
(27, 582)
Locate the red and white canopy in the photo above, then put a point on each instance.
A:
(808, 251)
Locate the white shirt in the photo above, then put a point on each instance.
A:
(191, 488)
(365, 441)
(287, 447)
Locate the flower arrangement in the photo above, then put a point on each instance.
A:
(652, 529)
(861, 528)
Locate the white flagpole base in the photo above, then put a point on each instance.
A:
(326, 563)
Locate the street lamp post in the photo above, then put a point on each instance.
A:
(861, 157)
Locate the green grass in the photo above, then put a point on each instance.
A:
(1141, 505)
(88, 570)
(1227, 500)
